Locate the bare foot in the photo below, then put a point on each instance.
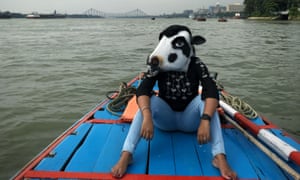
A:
(120, 168)
(220, 162)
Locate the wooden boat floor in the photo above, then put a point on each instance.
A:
(97, 147)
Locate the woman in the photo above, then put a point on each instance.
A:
(178, 107)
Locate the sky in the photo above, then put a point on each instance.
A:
(151, 7)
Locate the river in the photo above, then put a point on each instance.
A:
(54, 71)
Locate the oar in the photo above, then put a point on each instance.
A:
(269, 153)
(285, 150)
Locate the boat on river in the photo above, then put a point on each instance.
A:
(36, 15)
(222, 20)
(255, 147)
(200, 18)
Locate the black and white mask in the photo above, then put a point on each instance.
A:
(174, 50)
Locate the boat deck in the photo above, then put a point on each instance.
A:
(92, 146)
(96, 148)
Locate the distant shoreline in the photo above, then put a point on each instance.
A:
(271, 18)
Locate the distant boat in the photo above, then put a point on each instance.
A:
(36, 15)
(33, 15)
(237, 16)
(282, 15)
(200, 19)
(222, 20)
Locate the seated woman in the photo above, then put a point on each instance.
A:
(178, 107)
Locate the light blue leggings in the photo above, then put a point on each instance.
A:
(166, 119)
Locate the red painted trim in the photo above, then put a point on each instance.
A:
(221, 111)
(271, 126)
(106, 121)
(295, 157)
(133, 80)
(254, 128)
(289, 135)
(246, 123)
(268, 122)
(87, 175)
(227, 126)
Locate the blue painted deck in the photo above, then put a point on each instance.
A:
(96, 148)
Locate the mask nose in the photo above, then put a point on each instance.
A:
(153, 66)
(154, 61)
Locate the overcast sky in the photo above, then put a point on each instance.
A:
(151, 7)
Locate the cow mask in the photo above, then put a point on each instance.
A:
(174, 50)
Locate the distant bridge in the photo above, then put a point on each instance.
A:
(132, 14)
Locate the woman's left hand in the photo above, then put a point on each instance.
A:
(203, 133)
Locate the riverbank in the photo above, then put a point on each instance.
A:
(273, 18)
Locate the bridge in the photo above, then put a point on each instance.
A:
(131, 14)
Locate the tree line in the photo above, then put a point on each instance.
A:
(270, 7)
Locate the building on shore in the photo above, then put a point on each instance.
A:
(216, 9)
(236, 7)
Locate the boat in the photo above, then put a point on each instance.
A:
(283, 16)
(237, 16)
(36, 15)
(255, 147)
(200, 19)
(33, 15)
(222, 20)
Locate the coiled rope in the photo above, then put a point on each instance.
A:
(118, 103)
(237, 103)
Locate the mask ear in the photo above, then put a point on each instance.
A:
(197, 40)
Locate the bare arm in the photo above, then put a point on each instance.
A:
(203, 134)
(147, 126)
(210, 106)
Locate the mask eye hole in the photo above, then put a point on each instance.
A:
(179, 42)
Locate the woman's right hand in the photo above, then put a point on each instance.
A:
(147, 128)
